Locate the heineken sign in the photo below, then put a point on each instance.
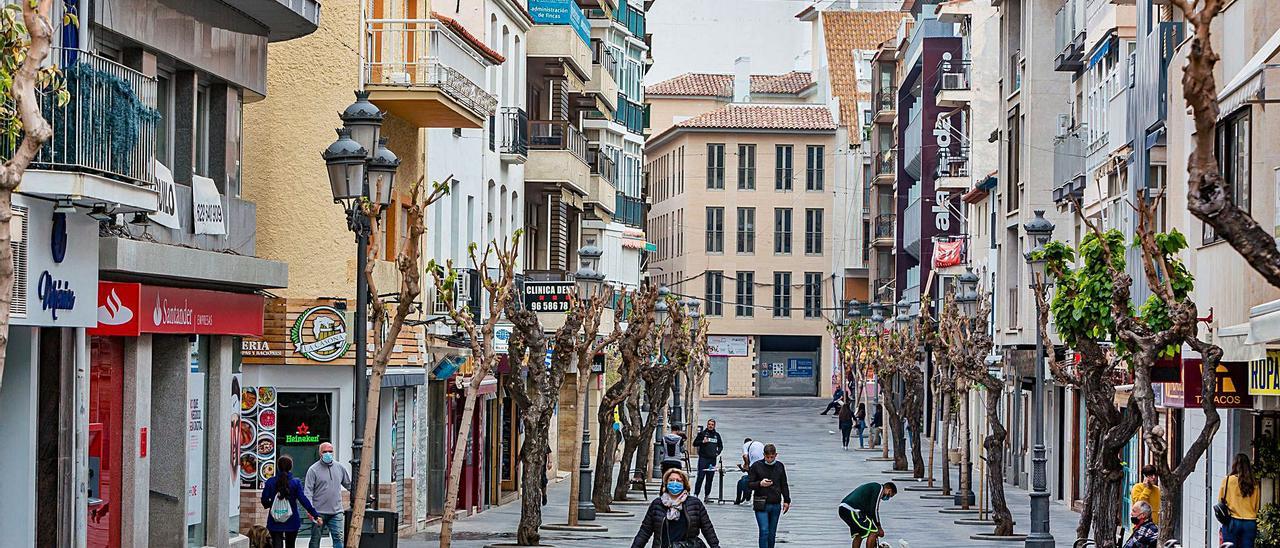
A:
(320, 334)
(302, 439)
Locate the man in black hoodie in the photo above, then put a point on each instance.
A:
(772, 494)
(709, 447)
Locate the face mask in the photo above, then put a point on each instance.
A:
(675, 487)
(327, 458)
(884, 497)
(770, 462)
(1135, 521)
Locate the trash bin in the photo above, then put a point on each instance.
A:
(381, 528)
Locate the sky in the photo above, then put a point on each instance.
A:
(707, 35)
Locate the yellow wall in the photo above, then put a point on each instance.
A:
(663, 110)
(310, 81)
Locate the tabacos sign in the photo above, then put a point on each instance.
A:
(1230, 389)
(320, 334)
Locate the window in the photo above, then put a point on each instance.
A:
(164, 102)
(816, 166)
(813, 294)
(782, 294)
(1234, 151)
(782, 167)
(745, 295)
(813, 231)
(715, 230)
(201, 164)
(746, 230)
(715, 292)
(782, 230)
(746, 167)
(715, 166)
(1012, 188)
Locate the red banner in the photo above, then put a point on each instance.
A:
(947, 253)
(130, 309)
(1231, 392)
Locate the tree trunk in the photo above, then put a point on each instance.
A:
(994, 445)
(966, 454)
(606, 448)
(915, 417)
(626, 468)
(893, 420)
(946, 443)
(455, 462)
(365, 474)
(632, 457)
(575, 460)
(533, 460)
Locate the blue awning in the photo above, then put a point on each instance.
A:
(988, 183)
(1100, 51)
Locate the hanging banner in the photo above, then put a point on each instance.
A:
(206, 207)
(947, 253)
(167, 212)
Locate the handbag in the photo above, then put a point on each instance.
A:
(281, 510)
(1222, 512)
(758, 503)
(695, 542)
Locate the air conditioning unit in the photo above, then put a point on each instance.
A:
(953, 80)
(1064, 125)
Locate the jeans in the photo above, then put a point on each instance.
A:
(333, 523)
(744, 490)
(862, 427)
(1240, 532)
(767, 521)
(704, 471)
(845, 428)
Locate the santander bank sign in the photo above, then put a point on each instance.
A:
(128, 309)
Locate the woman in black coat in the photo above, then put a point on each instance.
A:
(676, 519)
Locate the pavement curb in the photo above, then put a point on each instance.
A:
(1005, 538)
(576, 528)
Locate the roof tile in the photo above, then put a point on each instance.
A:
(697, 84)
(750, 116)
(845, 33)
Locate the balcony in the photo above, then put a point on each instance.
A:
(104, 137)
(911, 223)
(882, 231)
(562, 44)
(953, 171)
(882, 289)
(421, 70)
(603, 194)
(558, 153)
(911, 142)
(954, 88)
(604, 65)
(886, 168)
(515, 135)
(629, 210)
(1068, 166)
(1069, 34)
(886, 101)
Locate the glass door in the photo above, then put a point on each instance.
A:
(106, 392)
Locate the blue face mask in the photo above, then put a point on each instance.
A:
(884, 497)
(675, 487)
(327, 458)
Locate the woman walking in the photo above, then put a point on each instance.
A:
(676, 519)
(1241, 495)
(772, 494)
(860, 422)
(846, 423)
(281, 494)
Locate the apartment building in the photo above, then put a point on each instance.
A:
(764, 291)
(424, 71)
(129, 300)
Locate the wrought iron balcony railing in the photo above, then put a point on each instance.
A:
(515, 131)
(557, 135)
(425, 53)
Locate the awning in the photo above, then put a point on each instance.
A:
(1264, 323)
(633, 244)
(1249, 85)
(488, 386)
(404, 376)
(1100, 51)
(1236, 347)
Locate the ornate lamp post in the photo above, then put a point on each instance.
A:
(362, 173)
(1040, 230)
(660, 311)
(589, 283)
(967, 301)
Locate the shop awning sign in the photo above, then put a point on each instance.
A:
(127, 309)
(1231, 390)
(1264, 375)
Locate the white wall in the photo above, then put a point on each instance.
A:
(18, 430)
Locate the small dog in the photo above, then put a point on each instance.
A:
(259, 537)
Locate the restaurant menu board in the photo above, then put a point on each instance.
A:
(257, 435)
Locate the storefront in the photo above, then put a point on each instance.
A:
(47, 398)
(299, 392)
(165, 401)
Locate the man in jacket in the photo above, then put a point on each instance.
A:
(768, 482)
(835, 401)
(860, 510)
(673, 449)
(709, 445)
(324, 483)
(1145, 532)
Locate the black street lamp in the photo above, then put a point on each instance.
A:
(1040, 230)
(660, 312)
(589, 284)
(361, 175)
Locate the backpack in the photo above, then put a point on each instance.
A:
(281, 510)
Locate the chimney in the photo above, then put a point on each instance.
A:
(742, 80)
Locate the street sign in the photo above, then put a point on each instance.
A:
(547, 296)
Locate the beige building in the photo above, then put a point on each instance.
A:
(741, 220)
